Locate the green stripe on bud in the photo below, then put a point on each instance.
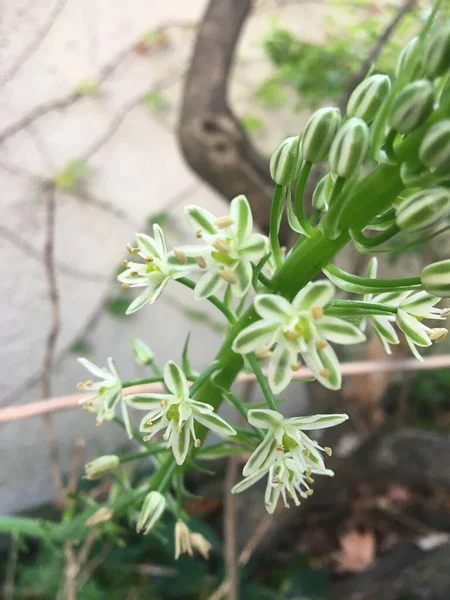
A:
(422, 209)
(412, 106)
(319, 134)
(349, 148)
(152, 508)
(409, 61)
(104, 465)
(436, 279)
(434, 151)
(285, 161)
(437, 52)
(368, 96)
(322, 193)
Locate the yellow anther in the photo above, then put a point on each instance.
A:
(166, 436)
(179, 428)
(148, 258)
(438, 334)
(221, 245)
(147, 438)
(164, 403)
(308, 473)
(227, 274)
(321, 344)
(99, 424)
(309, 492)
(317, 312)
(201, 262)
(263, 352)
(280, 447)
(197, 443)
(326, 373)
(276, 481)
(88, 383)
(148, 423)
(89, 404)
(295, 366)
(133, 272)
(283, 249)
(223, 222)
(199, 234)
(125, 263)
(328, 451)
(180, 256)
(292, 335)
(80, 385)
(132, 250)
(306, 451)
(125, 286)
(309, 479)
(445, 312)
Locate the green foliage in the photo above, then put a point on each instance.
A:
(80, 347)
(117, 306)
(72, 174)
(156, 100)
(252, 123)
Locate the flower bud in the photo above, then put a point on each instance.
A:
(412, 106)
(101, 466)
(437, 51)
(423, 208)
(349, 148)
(408, 62)
(436, 279)
(319, 134)
(152, 508)
(322, 193)
(367, 97)
(285, 161)
(412, 175)
(434, 151)
(182, 539)
(142, 353)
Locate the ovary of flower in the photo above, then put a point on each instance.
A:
(108, 392)
(158, 268)
(230, 248)
(177, 413)
(300, 327)
(286, 436)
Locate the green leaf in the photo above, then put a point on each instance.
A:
(80, 347)
(156, 99)
(252, 124)
(117, 306)
(185, 362)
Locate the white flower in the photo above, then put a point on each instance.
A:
(108, 392)
(154, 274)
(231, 248)
(152, 508)
(176, 412)
(298, 327)
(287, 436)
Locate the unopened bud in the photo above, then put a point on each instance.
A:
(412, 106)
(438, 334)
(319, 134)
(142, 353)
(285, 161)
(201, 544)
(152, 508)
(436, 279)
(412, 175)
(423, 208)
(434, 151)
(349, 148)
(322, 193)
(437, 51)
(368, 96)
(104, 465)
(182, 539)
(409, 61)
(102, 515)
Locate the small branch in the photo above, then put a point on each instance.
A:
(403, 10)
(11, 565)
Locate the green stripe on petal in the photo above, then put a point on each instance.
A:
(207, 285)
(271, 497)
(413, 329)
(254, 336)
(145, 401)
(264, 418)
(160, 241)
(254, 247)
(148, 297)
(147, 245)
(201, 218)
(274, 309)
(280, 368)
(175, 380)
(213, 422)
(243, 273)
(318, 293)
(242, 216)
(318, 421)
(97, 371)
(180, 443)
(325, 366)
(419, 304)
(247, 482)
(339, 331)
(384, 329)
(263, 457)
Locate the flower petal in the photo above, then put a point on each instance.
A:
(179, 442)
(175, 380)
(160, 241)
(207, 285)
(384, 329)
(201, 218)
(242, 216)
(146, 401)
(413, 329)
(97, 371)
(280, 367)
(263, 456)
(318, 293)
(272, 308)
(419, 305)
(324, 364)
(254, 247)
(254, 336)
(372, 268)
(271, 497)
(264, 418)
(247, 482)
(213, 422)
(339, 331)
(147, 245)
(243, 273)
(149, 296)
(317, 421)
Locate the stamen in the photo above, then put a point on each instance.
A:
(197, 443)
(309, 492)
(309, 479)
(317, 312)
(148, 423)
(132, 250)
(328, 451)
(223, 222)
(125, 263)
(133, 272)
(263, 352)
(165, 436)
(201, 262)
(295, 366)
(221, 245)
(306, 452)
(164, 403)
(321, 344)
(326, 373)
(125, 286)
(292, 335)
(280, 447)
(148, 258)
(88, 383)
(199, 234)
(438, 334)
(80, 385)
(99, 424)
(180, 256)
(276, 481)
(179, 428)
(227, 274)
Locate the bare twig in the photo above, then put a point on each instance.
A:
(70, 572)
(51, 340)
(406, 7)
(10, 576)
(25, 411)
(76, 465)
(35, 43)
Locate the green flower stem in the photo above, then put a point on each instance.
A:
(299, 195)
(213, 299)
(352, 304)
(403, 247)
(262, 381)
(386, 217)
(242, 409)
(206, 374)
(136, 434)
(389, 145)
(131, 382)
(388, 285)
(376, 240)
(275, 218)
(138, 455)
